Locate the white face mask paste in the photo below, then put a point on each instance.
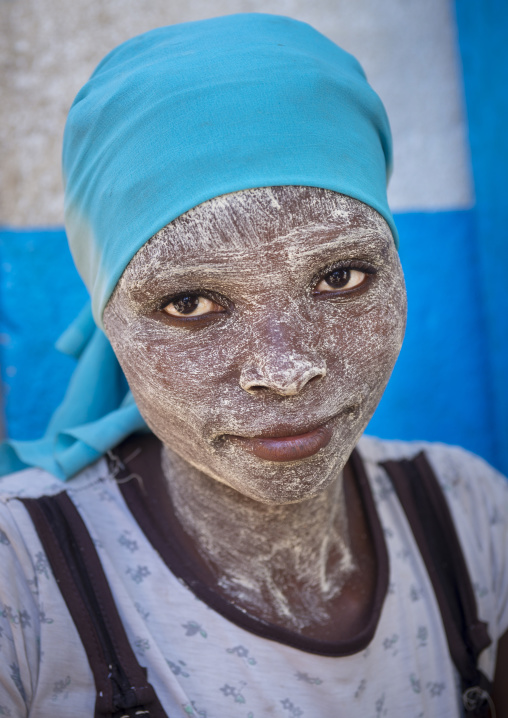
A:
(318, 359)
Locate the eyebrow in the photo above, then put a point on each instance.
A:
(377, 242)
(212, 268)
(354, 241)
(190, 272)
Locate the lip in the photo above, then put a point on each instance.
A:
(286, 448)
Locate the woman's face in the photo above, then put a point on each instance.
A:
(256, 318)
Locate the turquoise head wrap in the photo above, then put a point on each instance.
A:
(173, 118)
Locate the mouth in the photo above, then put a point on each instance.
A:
(286, 448)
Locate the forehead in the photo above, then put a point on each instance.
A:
(268, 224)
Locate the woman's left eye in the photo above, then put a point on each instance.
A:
(192, 305)
(340, 279)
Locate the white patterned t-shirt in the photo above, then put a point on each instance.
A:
(200, 663)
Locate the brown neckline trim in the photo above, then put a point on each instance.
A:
(145, 500)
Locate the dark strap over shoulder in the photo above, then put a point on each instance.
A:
(121, 683)
(432, 525)
(122, 687)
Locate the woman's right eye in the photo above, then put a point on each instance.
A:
(192, 305)
(341, 278)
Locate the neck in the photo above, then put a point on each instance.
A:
(284, 563)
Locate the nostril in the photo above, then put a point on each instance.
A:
(315, 378)
(289, 390)
(288, 382)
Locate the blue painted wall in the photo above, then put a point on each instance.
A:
(440, 389)
(483, 40)
(40, 293)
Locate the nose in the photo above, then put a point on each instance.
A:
(278, 365)
(287, 377)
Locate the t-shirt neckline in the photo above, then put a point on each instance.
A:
(145, 498)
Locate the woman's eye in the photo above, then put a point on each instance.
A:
(340, 278)
(192, 305)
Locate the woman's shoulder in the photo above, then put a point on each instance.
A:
(453, 466)
(29, 483)
(476, 493)
(477, 496)
(33, 483)
(19, 543)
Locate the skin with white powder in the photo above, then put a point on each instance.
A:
(257, 316)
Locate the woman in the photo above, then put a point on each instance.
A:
(226, 206)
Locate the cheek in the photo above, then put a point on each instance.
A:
(366, 339)
(382, 332)
(174, 376)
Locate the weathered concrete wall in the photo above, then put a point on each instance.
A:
(407, 47)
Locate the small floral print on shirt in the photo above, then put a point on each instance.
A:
(105, 495)
(190, 709)
(233, 692)
(415, 683)
(192, 628)
(415, 593)
(178, 669)
(496, 517)
(361, 688)
(435, 689)
(17, 618)
(43, 618)
(128, 543)
(422, 636)
(141, 645)
(293, 710)
(138, 574)
(380, 707)
(142, 612)
(403, 554)
(16, 679)
(301, 676)
(389, 643)
(384, 488)
(41, 564)
(480, 591)
(60, 689)
(242, 652)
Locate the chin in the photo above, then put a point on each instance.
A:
(280, 483)
(268, 482)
